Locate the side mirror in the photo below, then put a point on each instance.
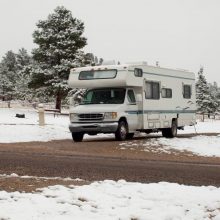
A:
(72, 102)
(139, 97)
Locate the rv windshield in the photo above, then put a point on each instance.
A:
(104, 96)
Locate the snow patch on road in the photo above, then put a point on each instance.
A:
(113, 200)
(14, 175)
(201, 145)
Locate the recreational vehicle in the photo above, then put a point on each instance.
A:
(124, 99)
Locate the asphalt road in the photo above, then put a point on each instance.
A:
(99, 160)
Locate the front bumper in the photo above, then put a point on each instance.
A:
(109, 127)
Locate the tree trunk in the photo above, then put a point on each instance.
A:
(58, 101)
(3, 94)
(203, 117)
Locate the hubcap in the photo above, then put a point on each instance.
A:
(123, 131)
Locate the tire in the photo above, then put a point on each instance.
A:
(129, 136)
(170, 132)
(122, 131)
(77, 137)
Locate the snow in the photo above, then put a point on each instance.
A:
(199, 145)
(209, 126)
(26, 129)
(114, 200)
(14, 175)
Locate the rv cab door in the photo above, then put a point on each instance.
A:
(132, 110)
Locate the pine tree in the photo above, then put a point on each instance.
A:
(23, 58)
(14, 77)
(203, 96)
(23, 75)
(60, 40)
(92, 60)
(8, 75)
(215, 97)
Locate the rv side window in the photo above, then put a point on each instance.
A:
(166, 93)
(138, 72)
(97, 74)
(131, 96)
(152, 90)
(186, 91)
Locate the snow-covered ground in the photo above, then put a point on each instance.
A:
(209, 126)
(199, 145)
(114, 200)
(26, 129)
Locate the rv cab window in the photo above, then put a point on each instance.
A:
(104, 96)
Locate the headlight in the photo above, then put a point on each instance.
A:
(73, 116)
(110, 115)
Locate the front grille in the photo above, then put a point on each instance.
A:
(91, 117)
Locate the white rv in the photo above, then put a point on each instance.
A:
(124, 99)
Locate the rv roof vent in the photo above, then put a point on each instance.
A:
(137, 63)
(109, 62)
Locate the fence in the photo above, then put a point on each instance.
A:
(208, 116)
(28, 105)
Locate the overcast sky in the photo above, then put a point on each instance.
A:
(178, 33)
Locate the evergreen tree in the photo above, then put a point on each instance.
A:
(13, 75)
(23, 75)
(101, 60)
(215, 97)
(60, 40)
(23, 58)
(8, 75)
(203, 96)
(92, 60)
(89, 59)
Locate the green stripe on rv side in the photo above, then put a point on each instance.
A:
(161, 111)
(157, 74)
(169, 111)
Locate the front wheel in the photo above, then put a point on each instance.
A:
(122, 131)
(77, 136)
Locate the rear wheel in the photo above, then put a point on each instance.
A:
(170, 132)
(122, 131)
(77, 136)
(129, 136)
